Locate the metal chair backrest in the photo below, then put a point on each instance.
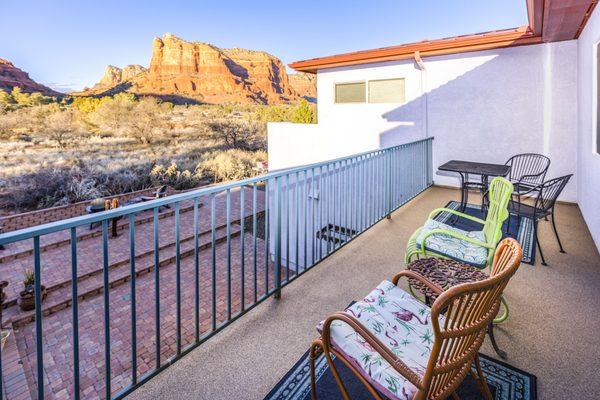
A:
(499, 196)
(530, 168)
(467, 311)
(549, 192)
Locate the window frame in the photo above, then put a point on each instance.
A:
(366, 82)
(335, 95)
(403, 79)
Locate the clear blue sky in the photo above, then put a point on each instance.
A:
(67, 44)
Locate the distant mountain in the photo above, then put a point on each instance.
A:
(181, 70)
(11, 76)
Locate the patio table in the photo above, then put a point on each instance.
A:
(447, 273)
(464, 168)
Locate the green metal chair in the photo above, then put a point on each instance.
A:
(436, 239)
(476, 248)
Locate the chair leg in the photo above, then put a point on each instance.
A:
(556, 233)
(485, 390)
(315, 350)
(336, 375)
(501, 353)
(537, 240)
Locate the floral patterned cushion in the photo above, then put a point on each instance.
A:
(400, 322)
(452, 247)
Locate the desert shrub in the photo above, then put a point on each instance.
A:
(173, 176)
(229, 165)
(243, 135)
(279, 113)
(304, 113)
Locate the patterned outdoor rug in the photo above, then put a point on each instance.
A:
(505, 382)
(519, 228)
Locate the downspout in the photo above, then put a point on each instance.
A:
(424, 112)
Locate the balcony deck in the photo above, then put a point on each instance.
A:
(552, 331)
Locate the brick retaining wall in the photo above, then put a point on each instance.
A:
(38, 217)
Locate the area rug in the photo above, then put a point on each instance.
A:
(520, 228)
(505, 382)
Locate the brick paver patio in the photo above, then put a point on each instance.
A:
(19, 356)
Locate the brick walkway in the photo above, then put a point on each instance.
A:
(19, 356)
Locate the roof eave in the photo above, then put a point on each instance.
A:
(460, 44)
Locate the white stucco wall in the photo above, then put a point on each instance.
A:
(588, 166)
(482, 106)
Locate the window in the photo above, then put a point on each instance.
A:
(350, 92)
(386, 91)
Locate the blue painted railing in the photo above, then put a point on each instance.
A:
(296, 217)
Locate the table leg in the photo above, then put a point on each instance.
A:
(114, 227)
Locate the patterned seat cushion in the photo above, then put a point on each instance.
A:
(452, 247)
(401, 323)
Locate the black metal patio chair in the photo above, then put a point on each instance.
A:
(527, 171)
(542, 207)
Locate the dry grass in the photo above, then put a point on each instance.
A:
(53, 153)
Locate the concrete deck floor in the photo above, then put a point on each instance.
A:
(553, 330)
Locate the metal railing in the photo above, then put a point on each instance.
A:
(202, 259)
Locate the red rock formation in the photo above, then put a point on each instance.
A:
(115, 75)
(11, 76)
(203, 72)
(304, 84)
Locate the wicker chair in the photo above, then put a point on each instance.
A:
(380, 327)
(527, 171)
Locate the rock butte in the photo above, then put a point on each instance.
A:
(181, 70)
(11, 76)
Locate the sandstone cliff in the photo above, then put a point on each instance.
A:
(11, 76)
(304, 84)
(114, 76)
(203, 72)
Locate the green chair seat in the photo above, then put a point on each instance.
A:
(452, 246)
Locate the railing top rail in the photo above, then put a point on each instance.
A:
(44, 229)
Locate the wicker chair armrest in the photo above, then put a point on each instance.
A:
(455, 212)
(415, 275)
(379, 347)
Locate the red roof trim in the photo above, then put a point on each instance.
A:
(549, 21)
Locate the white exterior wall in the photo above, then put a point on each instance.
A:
(481, 106)
(588, 166)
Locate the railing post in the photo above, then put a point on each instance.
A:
(277, 271)
(389, 183)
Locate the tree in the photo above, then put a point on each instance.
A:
(60, 125)
(239, 135)
(304, 113)
(6, 101)
(28, 100)
(147, 120)
(111, 113)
